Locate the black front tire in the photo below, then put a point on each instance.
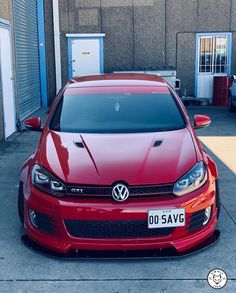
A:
(21, 203)
(218, 200)
(231, 108)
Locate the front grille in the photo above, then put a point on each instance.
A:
(196, 220)
(114, 229)
(135, 191)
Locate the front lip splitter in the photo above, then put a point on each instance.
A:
(122, 254)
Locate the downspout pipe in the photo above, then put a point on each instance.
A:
(57, 44)
(42, 53)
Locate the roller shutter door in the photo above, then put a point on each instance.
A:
(27, 56)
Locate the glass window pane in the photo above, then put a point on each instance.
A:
(205, 61)
(221, 54)
(117, 113)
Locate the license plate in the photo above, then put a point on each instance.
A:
(166, 218)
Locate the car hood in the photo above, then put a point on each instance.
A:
(104, 159)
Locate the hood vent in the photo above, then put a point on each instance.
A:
(158, 142)
(79, 144)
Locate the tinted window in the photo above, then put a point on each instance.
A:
(117, 113)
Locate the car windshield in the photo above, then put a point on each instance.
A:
(117, 113)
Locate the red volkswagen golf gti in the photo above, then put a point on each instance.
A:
(118, 167)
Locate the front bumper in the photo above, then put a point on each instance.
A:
(57, 210)
(122, 254)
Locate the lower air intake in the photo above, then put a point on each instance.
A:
(113, 229)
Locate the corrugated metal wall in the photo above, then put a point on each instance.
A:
(27, 56)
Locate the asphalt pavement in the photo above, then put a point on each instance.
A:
(23, 270)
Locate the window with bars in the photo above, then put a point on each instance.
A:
(213, 54)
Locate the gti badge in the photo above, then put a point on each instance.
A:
(120, 192)
(77, 190)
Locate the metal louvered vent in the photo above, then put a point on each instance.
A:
(79, 144)
(27, 56)
(157, 143)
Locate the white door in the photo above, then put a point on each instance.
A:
(7, 82)
(85, 56)
(213, 60)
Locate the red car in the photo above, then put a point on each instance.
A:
(118, 167)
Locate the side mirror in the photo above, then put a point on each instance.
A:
(201, 121)
(33, 124)
(233, 77)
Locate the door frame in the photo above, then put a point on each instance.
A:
(72, 37)
(207, 34)
(5, 24)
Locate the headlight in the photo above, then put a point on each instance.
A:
(46, 182)
(192, 180)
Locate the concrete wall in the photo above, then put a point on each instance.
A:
(148, 32)
(134, 30)
(184, 19)
(1, 112)
(233, 28)
(186, 62)
(5, 13)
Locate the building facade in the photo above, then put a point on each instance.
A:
(54, 40)
(6, 20)
(27, 67)
(196, 37)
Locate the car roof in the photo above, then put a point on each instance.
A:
(117, 79)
